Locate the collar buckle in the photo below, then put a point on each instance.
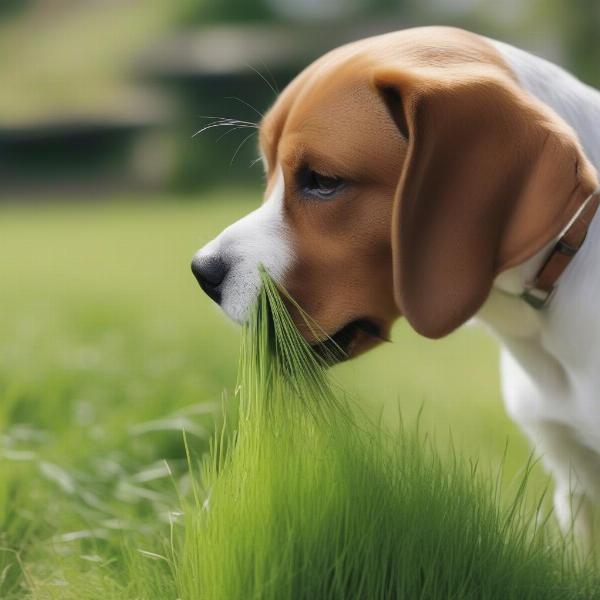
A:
(564, 248)
(537, 298)
(539, 292)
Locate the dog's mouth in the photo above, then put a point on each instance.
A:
(348, 341)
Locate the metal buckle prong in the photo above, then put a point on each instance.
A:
(536, 297)
(567, 249)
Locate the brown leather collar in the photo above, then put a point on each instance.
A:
(539, 292)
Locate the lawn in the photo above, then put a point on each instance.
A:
(108, 350)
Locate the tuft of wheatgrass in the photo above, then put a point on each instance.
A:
(304, 497)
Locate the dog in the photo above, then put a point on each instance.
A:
(441, 176)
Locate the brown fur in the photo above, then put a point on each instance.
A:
(484, 179)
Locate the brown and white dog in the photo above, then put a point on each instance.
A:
(429, 173)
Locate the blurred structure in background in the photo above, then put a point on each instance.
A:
(100, 96)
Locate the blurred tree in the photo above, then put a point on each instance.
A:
(302, 10)
(197, 13)
(578, 26)
(8, 8)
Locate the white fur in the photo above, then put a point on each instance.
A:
(259, 238)
(550, 359)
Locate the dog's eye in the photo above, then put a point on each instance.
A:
(322, 186)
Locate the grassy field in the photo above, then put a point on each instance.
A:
(108, 350)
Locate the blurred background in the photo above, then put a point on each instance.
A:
(101, 96)
(108, 349)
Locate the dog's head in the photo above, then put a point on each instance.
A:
(404, 173)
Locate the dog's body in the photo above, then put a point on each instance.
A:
(472, 221)
(550, 361)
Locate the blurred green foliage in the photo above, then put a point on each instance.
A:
(10, 8)
(577, 23)
(86, 68)
(232, 11)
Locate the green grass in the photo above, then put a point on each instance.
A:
(307, 501)
(108, 349)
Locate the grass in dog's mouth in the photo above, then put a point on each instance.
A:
(302, 500)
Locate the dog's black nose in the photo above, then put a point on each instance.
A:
(210, 271)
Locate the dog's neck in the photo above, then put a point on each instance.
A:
(505, 312)
(579, 105)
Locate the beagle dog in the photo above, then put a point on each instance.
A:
(439, 175)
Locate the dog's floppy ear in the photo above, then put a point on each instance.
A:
(490, 178)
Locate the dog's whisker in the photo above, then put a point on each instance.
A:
(271, 77)
(271, 87)
(240, 146)
(256, 160)
(207, 127)
(246, 104)
(228, 119)
(226, 123)
(230, 131)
